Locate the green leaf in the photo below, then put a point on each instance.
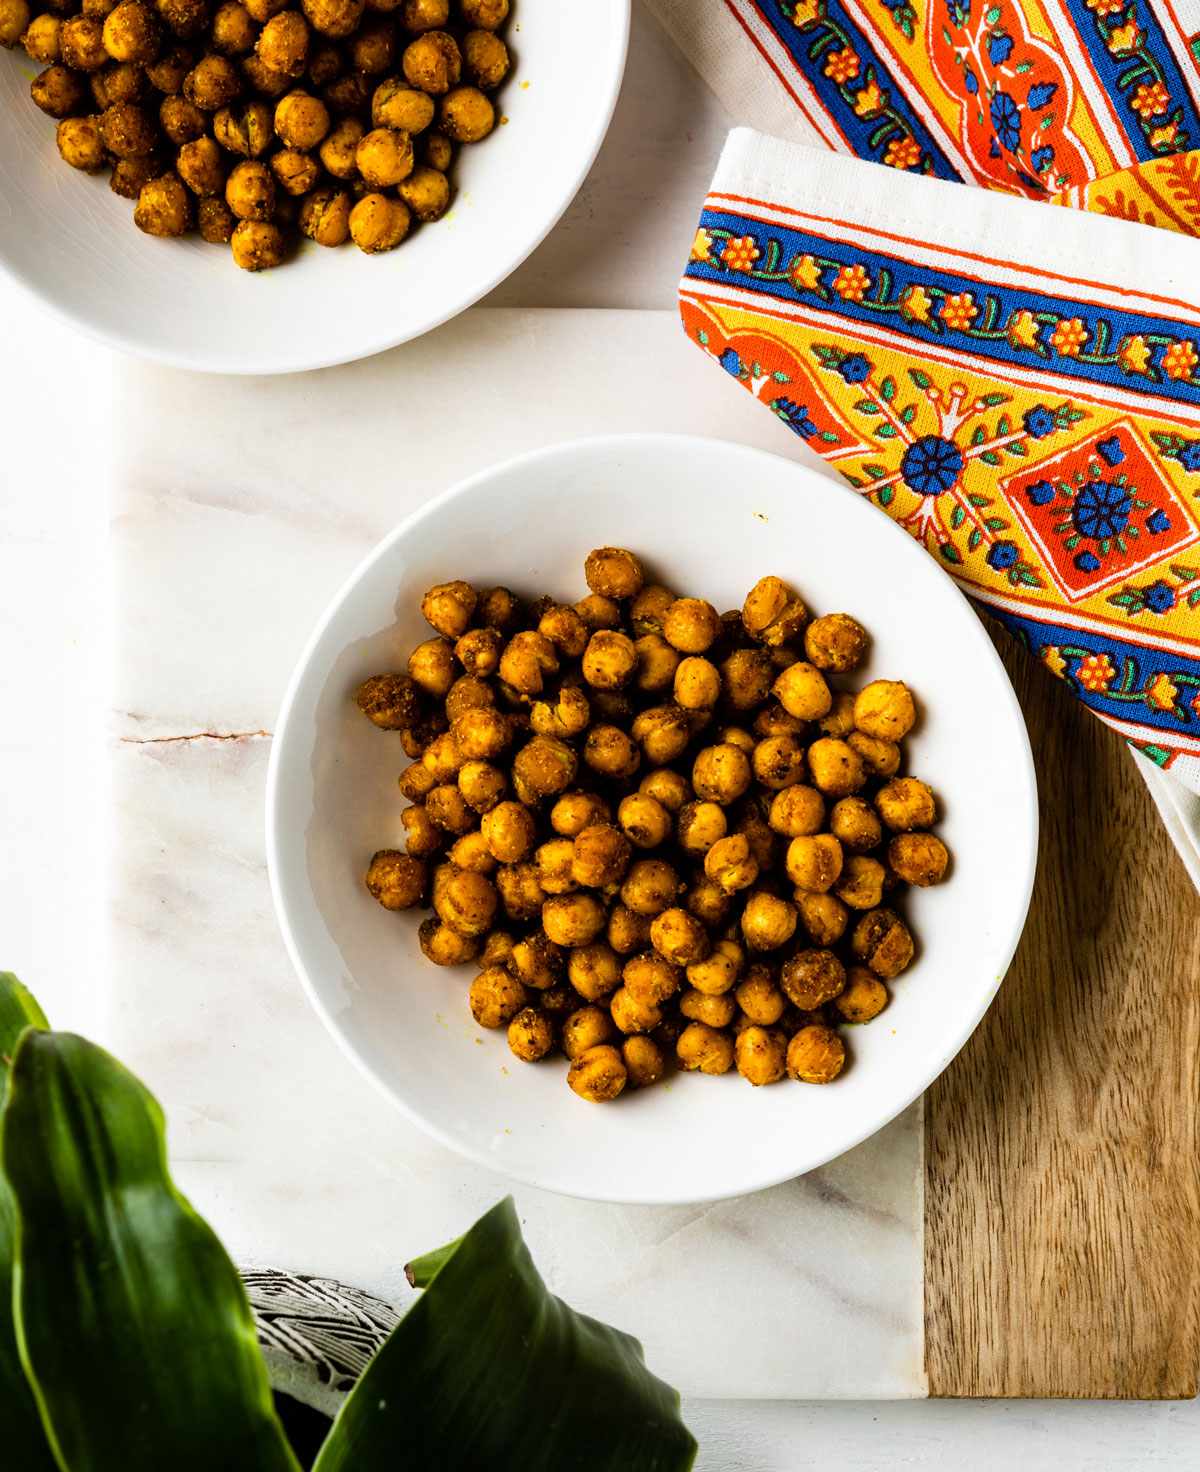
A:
(957, 517)
(950, 553)
(133, 1324)
(989, 457)
(489, 1369)
(875, 471)
(885, 499)
(1184, 574)
(921, 380)
(868, 406)
(974, 539)
(908, 414)
(21, 1435)
(888, 389)
(885, 432)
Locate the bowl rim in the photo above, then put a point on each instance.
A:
(264, 364)
(1024, 770)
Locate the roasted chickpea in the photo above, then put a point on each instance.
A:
(864, 996)
(778, 762)
(690, 625)
(836, 769)
(597, 1075)
(738, 736)
(482, 734)
(601, 856)
(349, 93)
(212, 82)
(245, 128)
(772, 614)
(543, 768)
(336, 18)
(80, 144)
(530, 1035)
(520, 892)
(527, 659)
(448, 809)
(626, 931)
(383, 158)
(414, 739)
(119, 81)
(510, 831)
(257, 245)
(598, 612)
(773, 720)
(814, 861)
(478, 651)
(496, 997)
(131, 175)
(466, 115)
(200, 166)
(433, 666)
(14, 20)
(167, 73)
(705, 1049)
(417, 782)
(485, 59)
(764, 846)
(651, 978)
(81, 40)
(835, 642)
(127, 133)
(471, 852)
(594, 970)
(662, 732)
(761, 1054)
(768, 922)
(634, 1015)
(482, 784)
(181, 121)
(812, 978)
(42, 39)
(671, 789)
(589, 1027)
(760, 998)
(647, 609)
(721, 774)
(611, 752)
(644, 820)
(132, 33)
(679, 937)
(815, 1055)
(487, 15)
(373, 48)
(396, 880)
(644, 1061)
(467, 902)
(918, 858)
(438, 152)
(445, 947)
(854, 824)
(885, 709)
(378, 223)
(432, 63)
(250, 191)
(710, 904)
(697, 683)
(537, 961)
(905, 803)
(573, 919)
(58, 91)
(882, 941)
(822, 915)
(396, 105)
(839, 719)
(860, 884)
(610, 660)
(657, 663)
(339, 151)
(650, 887)
(295, 172)
(730, 864)
(302, 121)
(880, 758)
(797, 811)
(468, 692)
(802, 691)
(613, 573)
(575, 811)
(164, 207)
(497, 950)
(425, 15)
(565, 714)
(183, 18)
(717, 973)
(233, 31)
(715, 1010)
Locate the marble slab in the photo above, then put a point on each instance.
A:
(240, 506)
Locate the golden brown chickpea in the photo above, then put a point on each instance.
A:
(703, 1048)
(245, 129)
(662, 732)
(835, 642)
(527, 659)
(716, 1011)
(648, 606)
(802, 691)
(611, 752)
(671, 789)
(812, 978)
(905, 803)
(597, 1075)
(565, 714)
(814, 862)
(336, 18)
(839, 719)
(250, 191)
(373, 48)
(559, 1001)
(627, 931)
(181, 121)
(510, 831)
(573, 919)
(482, 734)
(543, 768)
(760, 998)
(823, 916)
(487, 15)
(496, 997)
(610, 660)
(468, 692)
(860, 884)
(778, 762)
(445, 947)
(815, 1055)
(340, 148)
(132, 33)
(773, 720)
(325, 217)
(589, 1027)
(131, 175)
(168, 72)
(432, 63)
(598, 612)
(438, 152)
(718, 972)
(478, 651)
(416, 782)
(414, 739)
(448, 808)
(644, 1061)
(644, 820)
(613, 572)
(200, 166)
(651, 978)
(797, 811)
(764, 846)
(383, 158)
(594, 971)
(679, 937)
(864, 997)
(768, 922)
(697, 683)
(918, 858)
(497, 950)
(42, 39)
(538, 962)
(836, 769)
(761, 1054)
(81, 40)
(425, 15)
(885, 709)
(738, 736)
(772, 614)
(710, 904)
(485, 59)
(650, 887)
(690, 624)
(127, 132)
(657, 663)
(183, 18)
(295, 172)
(481, 784)
(80, 144)
(854, 824)
(396, 880)
(575, 811)
(880, 758)
(433, 666)
(565, 630)
(378, 223)
(471, 852)
(350, 93)
(396, 105)
(531, 1035)
(632, 1015)
(730, 864)
(58, 91)
(601, 856)
(212, 82)
(14, 20)
(119, 81)
(721, 774)
(467, 902)
(233, 32)
(302, 121)
(164, 207)
(520, 892)
(883, 942)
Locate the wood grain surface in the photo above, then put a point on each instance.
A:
(1062, 1206)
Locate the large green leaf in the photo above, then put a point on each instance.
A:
(132, 1322)
(490, 1370)
(21, 1436)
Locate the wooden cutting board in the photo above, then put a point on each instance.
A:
(1062, 1176)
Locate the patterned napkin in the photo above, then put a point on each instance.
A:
(1017, 385)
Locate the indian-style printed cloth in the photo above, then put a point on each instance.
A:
(1018, 385)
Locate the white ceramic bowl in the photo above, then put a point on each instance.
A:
(709, 518)
(72, 243)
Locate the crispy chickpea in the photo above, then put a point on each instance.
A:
(559, 1001)
(705, 1049)
(885, 709)
(657, 663)
(611, 752)
(14, 19)
(233, 31)
(339, 150)
(730, 864)
(797, 811)
(119, 81)
(853, 822)
(691, 625)
(835, 642)
(487, 15)
(864, 997)
(383, 158)
(471, 852)
(836, 769)
(882, 941)
(396, 105)
(697, 683)
(497, 950)
(414, 739)
(481, 784)
(127, 131)
(647, 609)
(445, 947)
(575, 811)
(613, 573)
(132, 33)
(839, 719)
(183, 18)
(772, 614)
(760, 998)
(738, 736)
(164, 207)
(778, 762)
(396, 880)
(131, 175)
(42, 39)
(378, 223)
(644, 820)
(482, 734)
(644, 1061)
(597, 1075)
(573, 919)
(433, 666)
(537, 961)
(815, 1055)
(467, 902)
(601, 856)
(715, 1010)
(626, 930)
(212, 82)
(520, 892)
(633, 1015)
(880, 758)
(200, 166)
(565, 714)
(662, 732)
(543, 768)
(679, 937)
(250, 191)
(565, 630)
(438, 152)
(478, 651)
(485, 59)
(773, 720)
(589, 1027)
(510, 831)
(169, 70)
(58, 91)
(610, 660)
(80, 144)
(594, 970)
(814, 861)
(181, 121)
(245, 128)
(812, 978)
(295, 172)
(466, 115)
(336, 18)
(918, 858)
(530, 1035)
(860, 884)
(425, 15)
(710, 904)
(598, 612)
(527, 659)
(496, 997)
(718, 972)
(468, 692)
(257, 245)
(302, 121)
(373, 48)
(768, 922)
(432, 63)
(81, 40)
(417, 782)
(802, 691)
(650, 887)
(448, 808)
(761, 1054)
(350, 93)
(905, 803)
(764, 846)
(651, 978)
(721, 774)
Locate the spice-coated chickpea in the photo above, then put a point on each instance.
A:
(181, 121)
(778, 762)
(882, 941)
(814, 861)
(864, 996)
(482, 784)
(378, 223)
(644, 1061)
(764, 845)
(650, 977)
(594, 970)
(565, 630)
(126, 130)
(589, 1027)
(416, 782)
(565, 714)
(575, 811)
(349, 93)
(855, 825)
(597, 1075)
(373, 48)
(537, 961)
(336, 18)
(14, 19)
(880, 758)
(164, 207)
(423, 838)
(170, 68)
(679, 937)
(716, 1011)
(835, 768)
(396, 105)
(482, 734)
(839, 719)
(448, 809)
(467, 902)
(601, 856)
(746, 677)
(885, 709)
(485, 59)
(511, 832)
(905, 803)
(132, 33)
(626, 930)
(718, 972)
(918, 858)
(760, 997)
(497, 950)
(528, 658)
(773, 720)
(710, 904)
(721, 774)
(657, 664)
(471, 852)
(449, 608)
(599, 612)
(295, 172)
(704, 1049)
(212, 82)
(339, 150)
(697, 683)
(797, 811)
(426, 192)
(553, 863)
(283, 43)
(520, 892)
(691, 625)
(811, 978)
(302, 121)
(738, 736)
(81, 40)
(200, 166)
(396, 879)
(768, 922)
(573, 919)
(815, 1055)
(131, 175)
(760, 1054)
(432, 63)
(445, 947)
(651, 886)
(425, 15)
(610, 752)
(644, 820)
(544, 767)
(233, 31)
(662, 732)
(478, 651)
(835, 642)
(634, 1015)
(433, 666)
(530, 1035)
(80, 144)
(730, 864)
(42, 38)
(612, 572)
(184, 18)
(671, 789)
(610, 660)
(384, 157)
(823, 916)
(772, 614)
(414, 739)
(250, 190)
(245, 128)
(496, 997)
(58, 91)
(860, 884)
(802, 691)
(487, 15)
(647, 609)
(119, 81)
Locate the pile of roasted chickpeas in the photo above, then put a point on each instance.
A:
(662, 833)
(237, 118)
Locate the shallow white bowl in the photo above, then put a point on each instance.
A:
(71, 242)
(709, 518)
